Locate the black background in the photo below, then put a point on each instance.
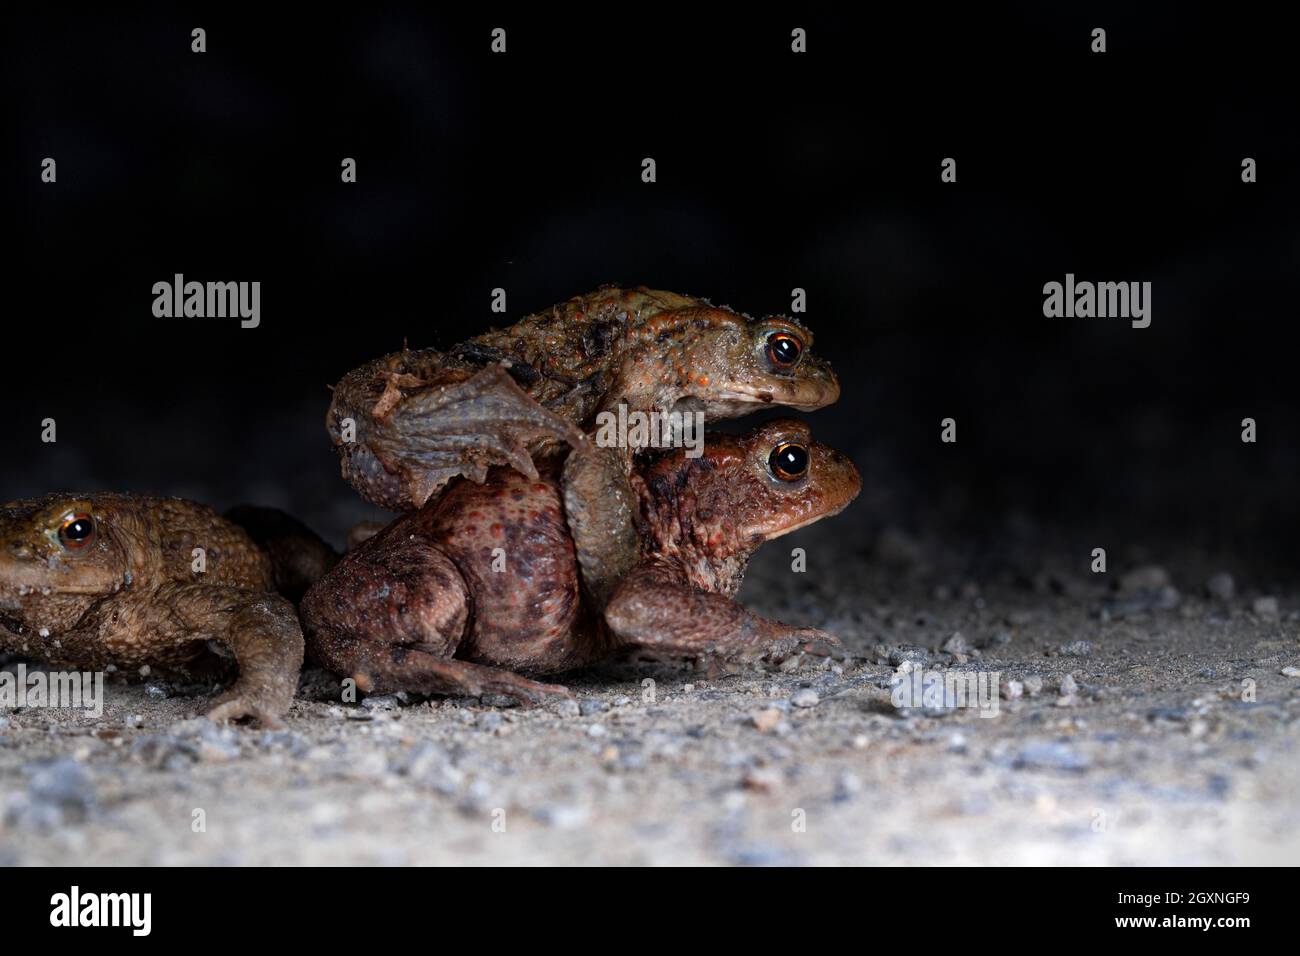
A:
(278, 905)
(774, 171)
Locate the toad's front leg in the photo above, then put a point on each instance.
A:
(600, 509)
(656, 608)
(262, 632)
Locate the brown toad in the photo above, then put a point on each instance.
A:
(134, 584)
(466, 593)
(406, 424)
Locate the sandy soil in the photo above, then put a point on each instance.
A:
(1153, 751)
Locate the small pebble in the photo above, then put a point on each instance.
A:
(1050, 756)
(1150, 577)
(807, 697)
(163, 752)
(762, 779)
(565, 707)
(282, 740)
(847, 786)
(956, 644)
(1221, 586)
(907, 653)
(564, 816)
(59, 793)
(1266, 607)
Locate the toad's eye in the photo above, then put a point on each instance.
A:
(78, 530)
(783, 349)
(788, 461)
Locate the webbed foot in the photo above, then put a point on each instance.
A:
(267, 642)
(423, 430)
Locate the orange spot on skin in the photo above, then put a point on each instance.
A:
(498, 530)
(702, 381)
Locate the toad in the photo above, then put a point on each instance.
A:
(406, 424)
(133, 585)
(483, 585)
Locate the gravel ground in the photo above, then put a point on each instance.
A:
(1124, 735)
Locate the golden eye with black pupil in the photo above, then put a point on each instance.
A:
(788, 461)
(77, 531)
(783, 349)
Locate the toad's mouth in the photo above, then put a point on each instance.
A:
(736, 402)
(811, 519)
(803, 400)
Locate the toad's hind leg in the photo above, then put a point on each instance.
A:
(391, 615)
(417, 430)
(379, 668)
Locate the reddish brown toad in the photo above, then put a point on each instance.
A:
(483, 584)
(114, 582)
